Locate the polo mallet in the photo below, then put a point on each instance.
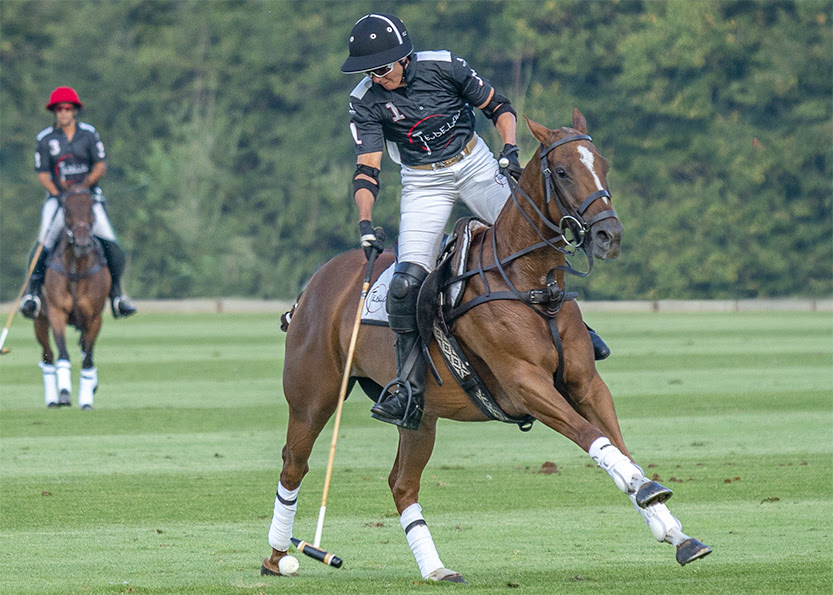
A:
(5, 350)
(305, 548)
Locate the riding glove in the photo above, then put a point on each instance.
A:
(373, 240)
(508, 161)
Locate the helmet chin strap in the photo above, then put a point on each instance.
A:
(404, 63)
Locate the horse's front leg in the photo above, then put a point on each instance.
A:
(50, 386)
(63, 368)
(415, 448)
(648, 496)
(89, 374)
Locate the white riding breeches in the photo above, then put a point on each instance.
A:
(52, 222)
(429, 195)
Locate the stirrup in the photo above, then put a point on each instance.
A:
(30, 306)
(389, 408)
(121, 306)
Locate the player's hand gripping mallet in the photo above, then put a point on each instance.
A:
(5, 350)
(313, 551)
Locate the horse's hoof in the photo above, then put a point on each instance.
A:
(449, 576)
(691, 550)
(652, 492)
(52, 406)
(63, 399)
(86, 407)
(270, 566)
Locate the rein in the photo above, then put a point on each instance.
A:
(95, 249)
(550, 295)
(546, 301)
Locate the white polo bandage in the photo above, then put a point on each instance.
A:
(63, 369)
(420, 540)
(283, 517)
(664, 526)
(87, 386)
(50, 388)
(625, 474)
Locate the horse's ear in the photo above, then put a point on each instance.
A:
(538, 131)
(579, 123)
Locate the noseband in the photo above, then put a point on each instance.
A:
(572, 218)
(79, 248)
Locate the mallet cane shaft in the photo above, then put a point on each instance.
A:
(345, 380)
(38, 250)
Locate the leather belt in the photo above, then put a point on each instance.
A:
(451, 160)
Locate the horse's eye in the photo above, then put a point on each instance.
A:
(560, 172)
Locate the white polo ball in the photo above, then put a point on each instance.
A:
(288, 565)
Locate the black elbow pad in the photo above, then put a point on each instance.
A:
(497, 106)
(370, 172)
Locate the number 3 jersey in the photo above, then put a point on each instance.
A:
(429, 119)
(68, 161)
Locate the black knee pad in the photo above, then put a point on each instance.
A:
(401, 304)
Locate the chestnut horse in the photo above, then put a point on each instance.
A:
(75, 289)
(535, 358)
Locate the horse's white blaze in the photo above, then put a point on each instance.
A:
(587, 158)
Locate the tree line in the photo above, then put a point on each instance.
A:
(230, 159)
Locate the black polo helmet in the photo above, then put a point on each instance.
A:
(376, 40)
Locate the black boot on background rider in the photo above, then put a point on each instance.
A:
(30, 304)
(600, 349)
(114, 256)
(404, 406)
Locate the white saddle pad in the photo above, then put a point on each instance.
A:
(374, 311)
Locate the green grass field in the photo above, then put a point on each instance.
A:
(168, 486)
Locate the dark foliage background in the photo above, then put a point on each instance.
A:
(230, 159)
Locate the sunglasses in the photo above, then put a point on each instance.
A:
(380, 72)
(64, 108)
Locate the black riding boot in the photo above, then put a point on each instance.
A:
(600, 349)
(119, 303)
(30, 304)
(404, 406)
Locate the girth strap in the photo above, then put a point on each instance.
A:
(470, 382)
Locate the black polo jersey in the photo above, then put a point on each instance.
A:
(429, 119)
(66, 161)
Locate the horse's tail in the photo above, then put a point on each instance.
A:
(286, 317)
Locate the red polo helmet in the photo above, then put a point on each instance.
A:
(63, 95)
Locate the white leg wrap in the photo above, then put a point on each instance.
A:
(663, 525)
(87, 386)
(625, 474)
(420, 540)
(50, 386)
(64, 371)
(286, 503)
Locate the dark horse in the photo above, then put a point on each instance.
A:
(530, 347)
(76, 285)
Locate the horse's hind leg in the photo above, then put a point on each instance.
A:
(303, 429)
(415, 448)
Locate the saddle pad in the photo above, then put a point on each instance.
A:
(374, 311)
(463, 231)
